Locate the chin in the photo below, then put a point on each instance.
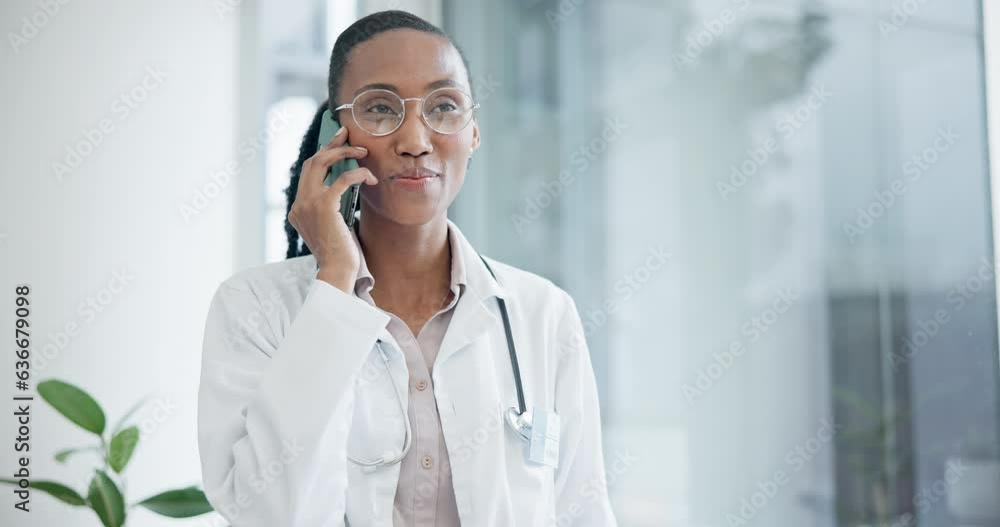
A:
(406, 213)
(414, 215)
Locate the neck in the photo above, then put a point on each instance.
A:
(411, 264)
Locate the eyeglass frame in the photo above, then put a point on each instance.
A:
(350, 106)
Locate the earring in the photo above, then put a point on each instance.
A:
(469, 163)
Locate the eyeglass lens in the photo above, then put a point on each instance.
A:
(380, 112)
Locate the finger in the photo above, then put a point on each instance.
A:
(338, 139)
(351, 177)
(328, 157)
(315, 168)
(309, 180)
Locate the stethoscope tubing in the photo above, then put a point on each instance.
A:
(510, 344)
(515, 417)
(408, 434)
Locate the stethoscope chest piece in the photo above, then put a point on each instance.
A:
(519, 422)
(540, 428)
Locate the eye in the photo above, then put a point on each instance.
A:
(377, 104)
(444, 107)
(382, 108)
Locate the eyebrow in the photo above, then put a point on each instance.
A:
(382, 86)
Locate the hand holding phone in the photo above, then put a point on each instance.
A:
(319, 213)
(349, 200)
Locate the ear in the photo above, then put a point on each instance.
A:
(476, 140)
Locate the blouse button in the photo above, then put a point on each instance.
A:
(421, 384)
(426, 461)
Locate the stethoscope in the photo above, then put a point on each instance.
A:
(518, 419)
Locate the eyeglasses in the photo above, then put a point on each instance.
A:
(381, 112)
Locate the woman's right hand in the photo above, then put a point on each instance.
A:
(315, 213)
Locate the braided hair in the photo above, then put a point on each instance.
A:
(361, 31)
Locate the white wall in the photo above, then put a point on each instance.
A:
(118, 211)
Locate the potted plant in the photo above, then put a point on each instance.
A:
(106, 492)
(864, 451)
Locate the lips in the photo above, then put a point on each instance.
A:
(415, 173)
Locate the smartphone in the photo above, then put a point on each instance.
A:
(349, 200)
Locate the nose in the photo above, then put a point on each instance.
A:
(413, 137)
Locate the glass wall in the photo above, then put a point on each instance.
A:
(774, 218)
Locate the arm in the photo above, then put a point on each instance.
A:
(274, 417)
(580, 482)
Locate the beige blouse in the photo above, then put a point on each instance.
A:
(425, 495)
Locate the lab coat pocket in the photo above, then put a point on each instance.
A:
(536, 492)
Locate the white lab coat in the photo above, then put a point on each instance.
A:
(292, 382)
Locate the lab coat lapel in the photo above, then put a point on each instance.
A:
(470, 320)
(472, 316)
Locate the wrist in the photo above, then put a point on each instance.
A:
(337, 278)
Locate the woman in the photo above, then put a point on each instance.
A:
(369, 378)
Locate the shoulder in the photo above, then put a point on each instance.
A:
(531, 292)
(521, 281)
(259, 302)
(536, 302)
(281, 282)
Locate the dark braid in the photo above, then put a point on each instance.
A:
(361, 31)
(306, 150)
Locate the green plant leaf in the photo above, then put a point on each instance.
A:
(63, 455)
(122, 446)
(124, 420)
(56, 490)
(73, 403)
(180, 503)
(106, 500)
(857, 402)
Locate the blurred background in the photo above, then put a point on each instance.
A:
(819, 348)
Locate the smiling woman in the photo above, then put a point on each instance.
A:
(394, 342)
